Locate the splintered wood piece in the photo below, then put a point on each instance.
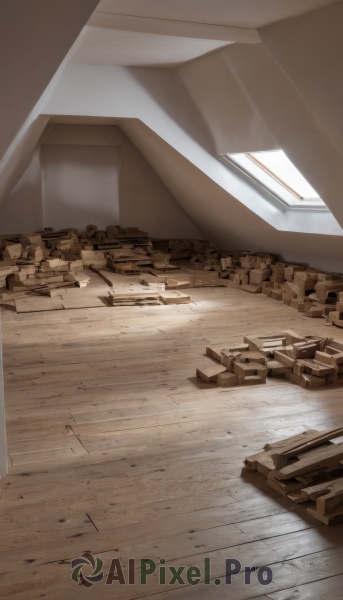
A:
(227, 380)
(318, 458)
(263, 461)
(310, 440)
(210, 374)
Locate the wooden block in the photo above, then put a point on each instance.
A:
(228, 358)
(312, 380)
(275, 367)
(334, 516)
(336, 344)
(282, 356)
(324, 358)
(53, 262)
(305, 350)
(315, 312)
(296, 379)
(253, 357)
(215, 353)
(174, 297)
(258, 342)
(267, 286)
(244, 370)
(12, 251)
(292, 337)
(227, 380)
(257, 276)
(251, 380)
(210, 374)
(316, 368)
(275, 294)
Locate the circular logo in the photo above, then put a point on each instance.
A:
(87, 559)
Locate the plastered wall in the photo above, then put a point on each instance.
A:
(87, 173)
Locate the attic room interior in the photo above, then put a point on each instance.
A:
(171, 299)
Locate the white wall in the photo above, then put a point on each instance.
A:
(80, 185)
(231, 116)
(310, 50)
(22, 211)
(92, 174)
(145, 201)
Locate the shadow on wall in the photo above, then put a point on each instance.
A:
(22, 211)
(80, 185)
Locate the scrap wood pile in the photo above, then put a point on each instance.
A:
(136, 252)
(313, 292)
(42, 262)
(306, 467)
(308, 361)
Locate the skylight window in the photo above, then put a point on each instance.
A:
(277, 174)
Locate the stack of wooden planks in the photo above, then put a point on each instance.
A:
(306, 468)
(134, 299)
(308, 361)
(148, 297)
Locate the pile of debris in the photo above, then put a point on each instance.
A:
(308, 361)
(44, 262)
(306, 467)
(313, 292)
(32, 263)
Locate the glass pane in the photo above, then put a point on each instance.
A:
(278, 164)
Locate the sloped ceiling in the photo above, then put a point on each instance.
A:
(236, 13)
(35, 37)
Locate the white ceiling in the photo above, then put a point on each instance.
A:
(167, 33)
(235, 13)
(112, 47)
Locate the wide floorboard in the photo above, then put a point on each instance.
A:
(115, 448)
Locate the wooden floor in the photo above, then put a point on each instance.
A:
(115, 448)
